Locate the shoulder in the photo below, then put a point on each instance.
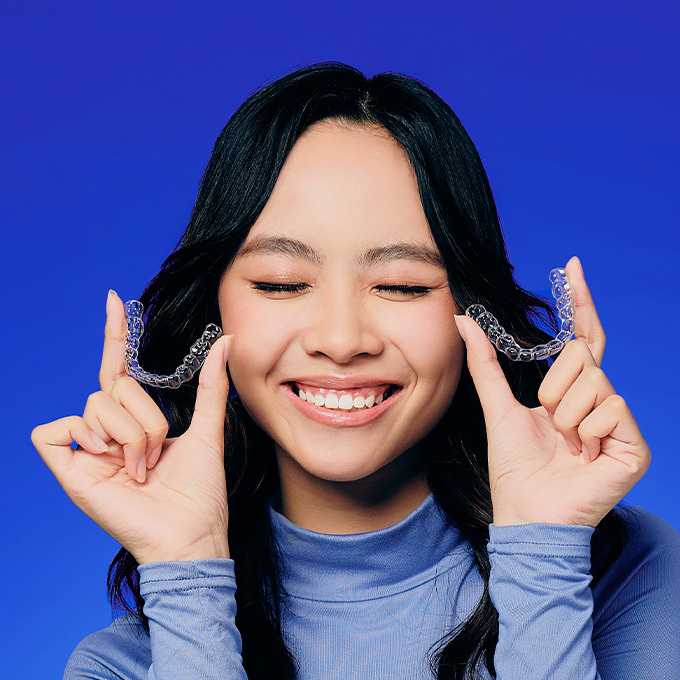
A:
(651, 539)
(647, 568)
(121, 650)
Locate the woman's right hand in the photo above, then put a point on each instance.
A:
(162, 499)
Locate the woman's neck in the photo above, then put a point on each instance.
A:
(375, 502)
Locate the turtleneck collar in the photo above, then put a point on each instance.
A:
(365, 566)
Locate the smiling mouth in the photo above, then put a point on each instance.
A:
(348, 400)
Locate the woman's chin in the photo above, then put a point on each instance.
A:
(341, 466)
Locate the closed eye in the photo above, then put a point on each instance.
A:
(408, 291)
(268, 287)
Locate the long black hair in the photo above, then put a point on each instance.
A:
(182, 299)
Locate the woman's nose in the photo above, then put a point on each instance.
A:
(341, 329)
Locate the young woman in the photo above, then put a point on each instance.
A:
(381, 494)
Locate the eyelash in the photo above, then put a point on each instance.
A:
(408, 291)
(405, 290)
(280, 287)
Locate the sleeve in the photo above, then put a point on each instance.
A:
(554, 625)
(191, 610)
(539, 584)
(637, 604)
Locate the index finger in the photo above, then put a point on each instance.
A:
(113, 355)
(588, 326)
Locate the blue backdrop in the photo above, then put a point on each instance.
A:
(110, 112)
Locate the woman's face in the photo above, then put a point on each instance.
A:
(345, 350)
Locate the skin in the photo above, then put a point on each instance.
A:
(343, 192)
(572, 459)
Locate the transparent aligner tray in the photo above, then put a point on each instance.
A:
(185, 371)
(504, 342)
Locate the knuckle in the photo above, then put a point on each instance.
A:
(561, 422)
(137, 440)
(159, 431)
(37, 434)
(73, 421)
(575, 346)
(123, 383)
(546, 396)
(584, 432)
(638, 466)
(593, 374)
(617, 403)
(95, 400)
(579, 349)
(158, 425)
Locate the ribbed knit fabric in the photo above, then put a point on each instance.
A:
(370, 606)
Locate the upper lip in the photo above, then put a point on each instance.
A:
(343, 382)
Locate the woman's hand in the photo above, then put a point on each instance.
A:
(571, 460)
(162, 499)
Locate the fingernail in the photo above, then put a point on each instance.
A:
(100, 444)
(141, 470)
(112, 294)
(460, 329)
(227, 347)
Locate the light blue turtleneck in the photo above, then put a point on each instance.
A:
(372, 605)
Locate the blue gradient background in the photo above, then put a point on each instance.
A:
(110, 110)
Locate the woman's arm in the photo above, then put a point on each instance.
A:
(555, 471)
(191, 611)
(192, 631)
(553, 625)
(539, 584)
(163, 499)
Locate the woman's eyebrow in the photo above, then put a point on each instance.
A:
(402, 251)
(280, 245)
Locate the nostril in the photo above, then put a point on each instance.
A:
(341, 347)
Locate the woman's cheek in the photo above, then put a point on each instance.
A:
(259, 340)
(429, 329)
(428, 339)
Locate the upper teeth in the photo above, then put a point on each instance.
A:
(343, 401)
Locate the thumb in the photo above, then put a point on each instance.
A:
(207, 422)
(492, 387)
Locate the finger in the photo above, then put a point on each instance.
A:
(134, 399)
(112, 422)
(569, 365)
(613, 419)
(492, 387)
(53, 442)
(588, 326)
(211, 398)
(113, 355)
(588, 391)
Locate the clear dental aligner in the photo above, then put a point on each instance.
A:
(562, 293)
(185, 371)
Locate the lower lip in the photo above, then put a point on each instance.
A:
(338, 417)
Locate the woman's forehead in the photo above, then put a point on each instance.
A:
(344, 183)
(332, 147)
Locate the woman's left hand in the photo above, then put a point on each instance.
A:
(572, 459)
